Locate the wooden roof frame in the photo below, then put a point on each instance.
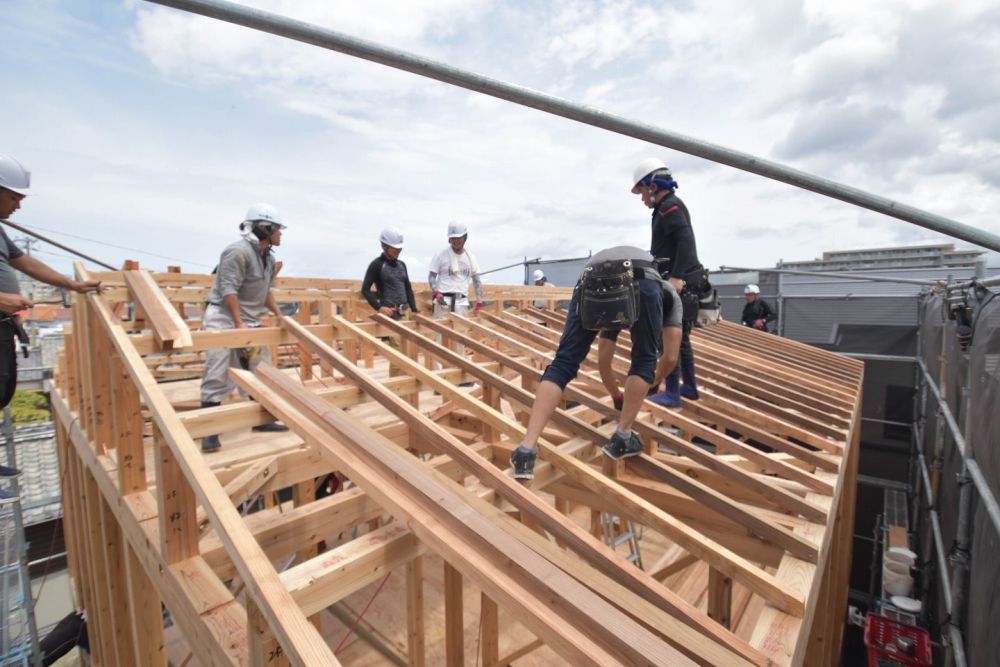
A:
(756, 480)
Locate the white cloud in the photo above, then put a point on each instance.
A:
(160, 127)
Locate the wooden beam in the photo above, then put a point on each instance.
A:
(169, 328)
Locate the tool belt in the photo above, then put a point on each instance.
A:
(609, 294)
(451, 298)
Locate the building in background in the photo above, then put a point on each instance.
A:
(940, 255)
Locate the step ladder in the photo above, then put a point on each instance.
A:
(617, 531)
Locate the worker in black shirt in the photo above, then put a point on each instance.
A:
(756, 312)
(393, 292)
(673, 245)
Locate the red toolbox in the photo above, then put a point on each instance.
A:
(892, 644)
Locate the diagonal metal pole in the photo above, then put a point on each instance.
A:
(336, 41)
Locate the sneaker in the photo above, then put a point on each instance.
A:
(523, 462)
(619, 447)
(7, 496)
(210, 443)
(270, 427)
(619, 401)
(7, 471)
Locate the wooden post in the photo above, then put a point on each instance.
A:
(415, 612)
(177, 505)
(305, 356)
(454, 622)
(128, 428)
(720, 597)
(148, 645)
(304, 493)
(490, 640)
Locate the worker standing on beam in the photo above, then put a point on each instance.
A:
(393, 291)
(451, 271)
(14, 183)
(240, 295)
(618, 289)
(756, 313)
(673, 243)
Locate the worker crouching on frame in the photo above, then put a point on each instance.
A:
(240, 295)
(618, 289)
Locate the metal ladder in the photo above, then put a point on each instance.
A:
(617, 532)
(18, 633)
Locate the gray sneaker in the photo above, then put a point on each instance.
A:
(210, 443)
(619, 448)
(523, 462)
(7, 496)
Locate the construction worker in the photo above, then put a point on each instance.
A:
(756, 312)
(14, 183)
(673, 245)
(393, 291)
(618, 289)
(451, 270)
(540, 280)
(240, 295)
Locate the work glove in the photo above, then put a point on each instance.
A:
(438, 297)
(480, 305)
(759, 324)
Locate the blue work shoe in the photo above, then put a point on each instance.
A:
(210, 443)
(7, 471)
(7, 496)
(522, 460)
(670, 397)
(690, 387)
(619, 447)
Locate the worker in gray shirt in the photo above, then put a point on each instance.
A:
(240, 295)
(14, 183)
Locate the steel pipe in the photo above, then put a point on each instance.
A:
(975, 473)
(336, 41)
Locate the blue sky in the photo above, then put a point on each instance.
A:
(148, 128)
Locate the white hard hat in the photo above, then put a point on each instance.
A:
(264, 213)
(537, 275)
(392, 237)
(751, 289)
(13, 175)
(456, 229)
(644, 169)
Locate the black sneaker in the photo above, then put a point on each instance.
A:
(618, 402)
(619, 448)
(523, 462)
(270, 427)
(7, 471)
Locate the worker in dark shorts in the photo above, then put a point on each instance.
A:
(618, 289)
(673, 245)
(671, 334)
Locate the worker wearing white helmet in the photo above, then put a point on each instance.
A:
(15, 181)
(673, 244)
(387, 273)
(540, 280)
(239, 297)
(450, 273)
(756, 313)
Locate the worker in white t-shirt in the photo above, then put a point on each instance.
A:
(451, 271)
